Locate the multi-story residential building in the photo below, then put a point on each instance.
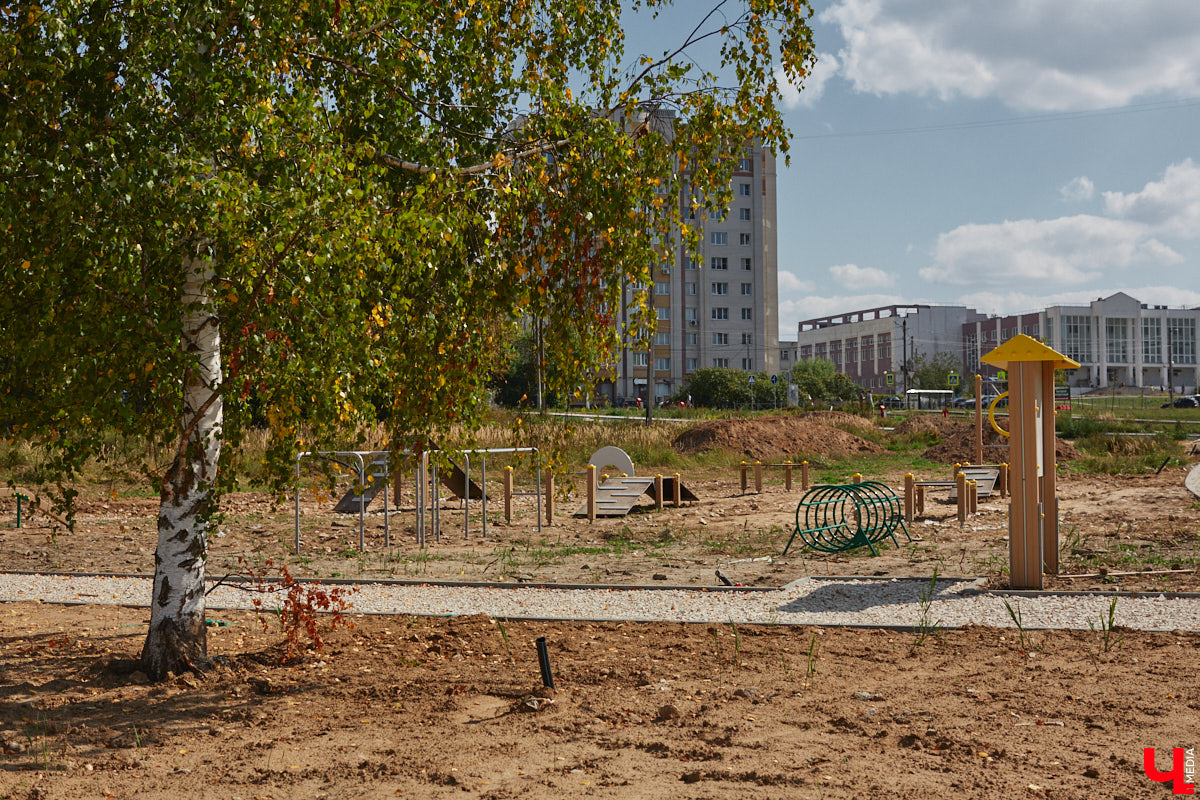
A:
(869, 345)
(717, 307)
(1120, 341)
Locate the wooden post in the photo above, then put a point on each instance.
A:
(787, 475)
(856, 477)
(743, 477)
(960, 481)
(978, 448)
(658, 492)
(1002, 480)
(591, 492)
(973, 493)
(921, 500)
(909, 498)
(678, 491)
(804, 476)
(758, 477)
(508, 489)
(549, 497)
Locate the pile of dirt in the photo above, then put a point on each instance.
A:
(840, 419)
(959, 448)
(773, 438)
(942, 426)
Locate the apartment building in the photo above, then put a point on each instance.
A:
(717, 307)
(870, 345)
(982, 336)
(1118, 340)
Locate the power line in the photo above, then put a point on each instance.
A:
(1031, 119)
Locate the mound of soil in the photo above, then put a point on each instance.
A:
(840, 419)
(942, 426)
(773, 438)
(959, 447)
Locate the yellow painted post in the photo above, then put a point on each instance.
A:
(658, 492)
(960, 483)
(508, 491)
(787, 475)
(856, 477)
(591, 492)
(973, 492)
(804, 476)
(549, 497)
(909, 499)
(758, 477)
(743, 477)
(1002, 480)
(920, 499)
(678, 491)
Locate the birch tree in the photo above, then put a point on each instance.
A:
(332, 213)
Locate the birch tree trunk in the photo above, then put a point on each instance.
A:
(177, 639)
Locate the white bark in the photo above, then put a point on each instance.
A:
(177, 638)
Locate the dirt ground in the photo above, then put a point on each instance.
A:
(419, 707)
(429, 708)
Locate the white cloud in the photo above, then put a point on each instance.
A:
(853, 276)
(790, 282)
(1039, 54)
(813, 83)
(1078, 189)
(1003, 303)
(1060, 254)
(1170, 206)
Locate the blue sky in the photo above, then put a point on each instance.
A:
(1002, 154)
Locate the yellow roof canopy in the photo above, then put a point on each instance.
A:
(1026, 348)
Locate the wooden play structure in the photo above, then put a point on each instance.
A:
(615, 496)
(1033, 509)
(786, 466)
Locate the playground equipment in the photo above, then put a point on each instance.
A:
(616, 496)
(787, 467)
(1033, 512)
(833, 518)
(372, 472)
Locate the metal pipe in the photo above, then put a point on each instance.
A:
(544, 663)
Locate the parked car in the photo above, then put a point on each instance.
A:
(963, 402)
(1192, 401)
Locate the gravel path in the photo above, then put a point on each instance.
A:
(861, 603)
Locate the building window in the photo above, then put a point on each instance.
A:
(747, 263)
(1116, 340)
(783, 355)
(835, 355)
(720, 288)
(745, 165)
(721, 363)
(747, 364)
(693, 262)
(744, 214)
(885, 347)
(718, 216)
(662, 339)
(720, 313)
(662, 313)
(806, 353)
(689, 314)
(662, 287)
(693, 339)
(851, 351)
(662, 364)
(743, 238)
(720, 338)
(744, 189)
(691, 365)
(747, 338)
(719, 262)
(1181, 333)
(747, 289)
(718, 237)
(747, 313)
(1152, 349)
(866, 349)
(665, 269)
(690, 289)
(639, 358)
(1077, 338)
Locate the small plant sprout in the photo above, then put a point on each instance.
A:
(1026, 639)
(926, 625)
(1106, 635)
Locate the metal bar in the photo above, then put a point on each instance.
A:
(483, 483)
(467, 492)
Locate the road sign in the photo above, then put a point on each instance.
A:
(954, 379)
(774, 379)
(751, 380)
(889, 379)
